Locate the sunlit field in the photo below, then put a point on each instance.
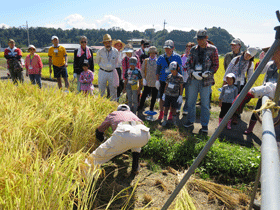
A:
(44, 138)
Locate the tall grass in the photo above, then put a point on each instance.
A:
(44, 137)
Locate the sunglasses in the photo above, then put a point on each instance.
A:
(31, 49)
(83, 42)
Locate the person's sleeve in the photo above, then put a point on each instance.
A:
(222, 94)
(91, 65)
(19, 55)
(98, 57)
(139, 75)
(26, 65)
(64, 51)
(123, 67)
(229, 68)
(105, 125)
(189, 64)
(92, 76)
(75, 64)
(215, 64)
(40, 62)
(250, 71)
(81, 79)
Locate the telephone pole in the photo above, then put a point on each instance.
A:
(164, 23)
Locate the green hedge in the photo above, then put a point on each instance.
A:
(233, 162)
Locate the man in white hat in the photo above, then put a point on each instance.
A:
(129, 132)
(107, 59)
(59, 61)
(236, 50)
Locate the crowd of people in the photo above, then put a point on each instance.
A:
(164, 76)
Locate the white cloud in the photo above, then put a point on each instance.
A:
(3, 25)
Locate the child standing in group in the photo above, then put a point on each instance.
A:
(33, 65)
(228, 94)
(149, 68)
(172, 96)
(132, 84)
(86, 79)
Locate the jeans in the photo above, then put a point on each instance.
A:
(132, 96)
(195, 87)
(36, 79)
(186, 87)
(78, 83)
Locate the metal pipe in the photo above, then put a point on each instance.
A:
(229, 114)
(270, 176)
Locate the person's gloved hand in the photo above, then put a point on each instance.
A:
(75, 75)
(144, 82)
(163, 97)
(99, 135)
(180, 100)
(157, 84)
(196, 75)
(206, 74)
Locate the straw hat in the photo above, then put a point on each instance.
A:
(106, 38)
(114, 42)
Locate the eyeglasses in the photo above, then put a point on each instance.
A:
(83, 42)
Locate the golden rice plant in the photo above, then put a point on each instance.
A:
(44, 137)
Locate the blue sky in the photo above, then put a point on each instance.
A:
(251, 21)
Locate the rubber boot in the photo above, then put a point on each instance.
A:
(135, 162)
(220, 120)
(229, 124)
(252, 124)
(160, 115)
(170, 117)
(175, 123)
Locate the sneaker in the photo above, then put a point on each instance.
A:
(188, 124)
(204, 129)
(185, 112)
(164, 123)
(170, 117)
(177, 110)
(160, 117)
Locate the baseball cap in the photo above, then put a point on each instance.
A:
(168, 44)
(201, 34)
(173, 65)
(235, 41)
(132, 61)
(54, 37)
(252, 51)
(123, 107)
(230, 75)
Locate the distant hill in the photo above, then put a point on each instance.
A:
(41, 36)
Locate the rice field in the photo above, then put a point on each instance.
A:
(45, 135)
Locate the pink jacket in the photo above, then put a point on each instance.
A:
(35, 65)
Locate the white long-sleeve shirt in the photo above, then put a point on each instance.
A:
(107, 60)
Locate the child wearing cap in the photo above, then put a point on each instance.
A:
(228, 94)
(33, 65)
(172, 95)
(86, 79)
(132, 84)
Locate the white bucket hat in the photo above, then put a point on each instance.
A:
(123, 107)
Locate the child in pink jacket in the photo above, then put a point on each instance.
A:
(86, 79)
(33, 65)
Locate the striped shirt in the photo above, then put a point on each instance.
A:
(115, 118)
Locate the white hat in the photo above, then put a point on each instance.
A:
(231, 75)
(168, 44)
(173, 65)
(123, 107)
(31, 46)
(252, 51)
(236, 41)
(54, 37)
